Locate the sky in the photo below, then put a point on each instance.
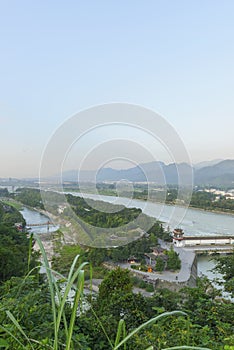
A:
(57, 58)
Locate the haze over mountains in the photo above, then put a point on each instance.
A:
(206, 173)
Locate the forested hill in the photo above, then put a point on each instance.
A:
(221, 173)
(10, 215)
(106, 215)
(14, 244)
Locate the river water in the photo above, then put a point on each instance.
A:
(195, 222)
(34, 217)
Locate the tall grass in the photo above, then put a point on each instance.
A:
(75, 280)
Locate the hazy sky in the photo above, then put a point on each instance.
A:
(57, 58)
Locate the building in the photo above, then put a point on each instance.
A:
(178, 237)
(180, 240)
(151, 258)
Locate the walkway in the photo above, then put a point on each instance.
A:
(187, 257)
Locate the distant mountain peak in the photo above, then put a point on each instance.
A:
(204, 164)
(211, 173)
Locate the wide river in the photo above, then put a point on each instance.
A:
(195, 222)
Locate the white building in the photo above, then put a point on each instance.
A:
(180, 240)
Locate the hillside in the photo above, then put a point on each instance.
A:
(218, 174)
(221, 173)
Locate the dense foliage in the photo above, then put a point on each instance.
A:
(4, 192)
(200, 199)
(209, 322)
(136, 249)
(173, 262)
(10, 215)
(107, 215)
(225, 266)
(210, 201)
(102, 217)
(30, 197)
(14, 245)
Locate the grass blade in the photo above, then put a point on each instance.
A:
(119, 332)
(80, 288)
(12, 335)
(30, 250)
(148, 323)
(186, 347)
(51, 283)
(69, 284)
(102, 327)
(17, 325)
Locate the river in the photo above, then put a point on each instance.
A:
(195, 222)
(34, 217)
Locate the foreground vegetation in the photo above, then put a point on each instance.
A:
(14, 245)
(36, 314)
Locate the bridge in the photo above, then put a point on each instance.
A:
(47, 223)
(212, 243)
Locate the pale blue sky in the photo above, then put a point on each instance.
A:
(56, 58)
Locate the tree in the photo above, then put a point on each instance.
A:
(160, 264)
(62, 260)
(4, 192)
(96, 256)
(28, 300)
(173, 262)
(14, 251)
(225, 266)
(118, 280)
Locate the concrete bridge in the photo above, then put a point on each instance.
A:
(217, 243)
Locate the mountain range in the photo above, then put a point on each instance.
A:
(216, 173)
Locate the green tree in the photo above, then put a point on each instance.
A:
(64, 256)
(29, 196)
(96, 256)
(173, 262)
(14, 251)
(4, 192)
(225, 266)
(160, 264)
(117, 280)
(28, 301)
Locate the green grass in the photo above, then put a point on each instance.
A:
(58, 303)
(13, 203)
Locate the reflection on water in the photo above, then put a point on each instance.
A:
(196, 218)
(34, 217)
(194, 223)
(205, 266)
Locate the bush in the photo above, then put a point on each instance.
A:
(142, 284)
(149, 288)
(134, 267)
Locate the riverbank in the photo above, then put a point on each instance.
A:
(113, 194)
(69, 233)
